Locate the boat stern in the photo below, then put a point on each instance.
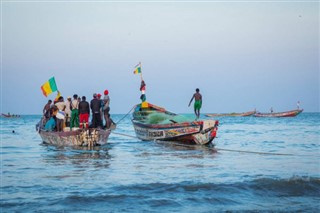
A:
(208, 132)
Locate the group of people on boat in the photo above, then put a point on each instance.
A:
(76, 112)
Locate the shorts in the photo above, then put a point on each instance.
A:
(197, 105)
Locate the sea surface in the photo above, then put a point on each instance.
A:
(256, 165)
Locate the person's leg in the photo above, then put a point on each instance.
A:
(99, 123)
(72, 120)
(86, 120)
(76, 118)
(105, 118)
(94, 120)
(108, 121)
(81, 121)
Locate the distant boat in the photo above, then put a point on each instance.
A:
(242, 114)
(291, 113)
(10, 115)
(156, 123)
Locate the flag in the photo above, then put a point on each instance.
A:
(144, 104)
(49, 87)
(58, 96)
(137, 69)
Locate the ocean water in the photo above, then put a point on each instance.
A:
(257, 165)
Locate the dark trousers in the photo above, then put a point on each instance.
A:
(96, 120)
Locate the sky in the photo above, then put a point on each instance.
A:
(242, 55)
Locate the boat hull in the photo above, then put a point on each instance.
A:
(291, 113)
(196, 132)
(84, 138)
(244, 114)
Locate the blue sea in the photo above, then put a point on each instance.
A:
(256, 165)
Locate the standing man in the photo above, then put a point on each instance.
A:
(46, 110)
(95, 106)
(197, 102)
(60, 104)
(74, 112)
(106, 108)
(84, 112)
(68, 111)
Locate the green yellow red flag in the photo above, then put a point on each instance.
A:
(49, 87)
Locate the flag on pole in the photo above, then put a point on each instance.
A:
(137, 69)
(49, 87)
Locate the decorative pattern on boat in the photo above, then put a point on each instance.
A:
(86, 137)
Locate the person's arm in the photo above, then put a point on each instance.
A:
(88, 109)
(191, 100)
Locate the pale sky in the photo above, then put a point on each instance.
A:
(241, 55)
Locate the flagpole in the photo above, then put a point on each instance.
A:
(141, 71)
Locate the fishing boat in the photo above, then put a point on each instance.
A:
(291, 113)
(152, 122)
(10, 115)
(90, 137)
(234, 114)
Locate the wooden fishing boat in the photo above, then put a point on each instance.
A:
(234, 114)
(155, 123)
(91, 137)
(10, 115)
(291, 113)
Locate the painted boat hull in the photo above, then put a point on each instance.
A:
(243, 114)
(84, 138)
(196, 132)
(291, 113)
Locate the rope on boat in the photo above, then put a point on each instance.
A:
(130, 136)
(125, 115)
(252, 152)
(212, 148)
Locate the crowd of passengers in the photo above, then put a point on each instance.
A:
(76, 112)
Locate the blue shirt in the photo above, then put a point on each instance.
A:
(50, 125)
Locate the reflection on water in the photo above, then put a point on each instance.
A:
(78, 156)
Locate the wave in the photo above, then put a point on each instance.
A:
(295, 186)
(262, 194)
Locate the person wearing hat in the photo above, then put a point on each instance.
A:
(101, 107)
(106, 108)
(95, 105)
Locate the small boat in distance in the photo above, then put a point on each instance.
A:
(156, 123)
(291, 113)
(10, 115)
(242, 114)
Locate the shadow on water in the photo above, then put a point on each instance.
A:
(180, 146)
